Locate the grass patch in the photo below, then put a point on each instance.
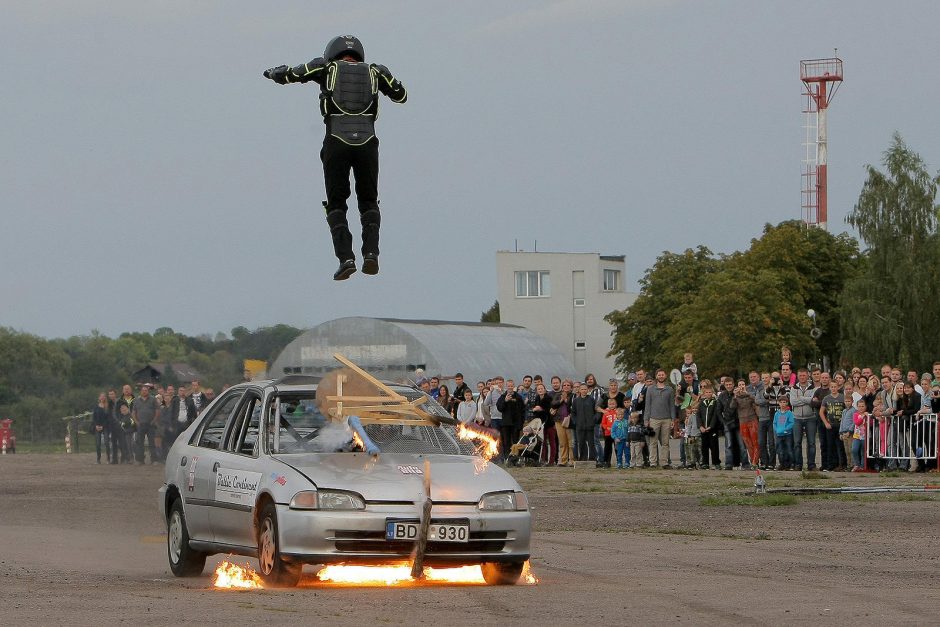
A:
(758, 500)
(86, 444)
(813, 475)
(677, 531)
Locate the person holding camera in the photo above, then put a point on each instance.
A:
(349, 104)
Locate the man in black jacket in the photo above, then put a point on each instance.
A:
(728, 413)
(349, 104)
(583, 417)
(512, 408)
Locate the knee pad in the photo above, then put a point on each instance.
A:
(371, 217)
(336, 219)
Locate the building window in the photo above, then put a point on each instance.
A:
(533, 283)
(579, 302)
(611, 280)
(579, 346)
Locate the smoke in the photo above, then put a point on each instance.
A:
(331, 438)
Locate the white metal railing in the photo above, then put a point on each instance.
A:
(902, 437)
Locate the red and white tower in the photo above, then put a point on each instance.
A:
(821, 79)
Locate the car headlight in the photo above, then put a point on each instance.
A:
(330, 499)
(504, 501)
(327, 499)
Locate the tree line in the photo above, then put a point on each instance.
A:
(43, 380)
(874, 301)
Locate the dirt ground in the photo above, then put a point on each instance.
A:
(83, 544)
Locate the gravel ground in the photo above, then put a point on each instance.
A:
(83, 544)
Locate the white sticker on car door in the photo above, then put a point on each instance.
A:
(236, 486)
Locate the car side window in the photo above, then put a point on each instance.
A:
(213, 426)
(243, 435)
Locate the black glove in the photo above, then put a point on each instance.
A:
(270, 72)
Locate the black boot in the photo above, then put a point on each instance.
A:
(370, 263)
(346, 269)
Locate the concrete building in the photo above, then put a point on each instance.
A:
(394, 349)
(564, 297)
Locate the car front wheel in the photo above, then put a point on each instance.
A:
(274, 571)
(184, 562)
(502, 573)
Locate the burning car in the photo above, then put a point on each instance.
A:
(345, 471)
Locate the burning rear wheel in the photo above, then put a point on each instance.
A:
(184, 562)
(502, 574)
(274, 570)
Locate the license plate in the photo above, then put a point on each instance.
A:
(437, 532)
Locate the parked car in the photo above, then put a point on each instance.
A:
(262, 472)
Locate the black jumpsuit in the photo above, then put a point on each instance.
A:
(349, 105)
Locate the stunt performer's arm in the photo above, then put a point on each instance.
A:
(388, 84)
(304, 73)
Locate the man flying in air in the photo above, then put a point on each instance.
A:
(349, 104)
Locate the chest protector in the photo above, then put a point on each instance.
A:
(349, 102)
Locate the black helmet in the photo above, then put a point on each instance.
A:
(343, 45)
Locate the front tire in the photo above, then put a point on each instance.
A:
(274, 571)
(184, 562)
(502, 573)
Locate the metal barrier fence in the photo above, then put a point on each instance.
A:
(902, 438)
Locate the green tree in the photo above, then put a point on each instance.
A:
(889, 310)
(812, 266)
(641, 330)
(736, 321)
(491, 314)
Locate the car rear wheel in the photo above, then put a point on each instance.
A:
(184, 562)
(502, 573)
(274, 570)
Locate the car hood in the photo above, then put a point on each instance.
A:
(390, 477)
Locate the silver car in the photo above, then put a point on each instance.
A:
(263, 473)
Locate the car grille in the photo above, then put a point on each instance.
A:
(375, 542)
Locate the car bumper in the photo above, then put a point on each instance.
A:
(329, 537)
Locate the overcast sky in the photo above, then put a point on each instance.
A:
(151, 177)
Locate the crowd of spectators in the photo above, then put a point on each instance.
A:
(124, 426)
(779, 419)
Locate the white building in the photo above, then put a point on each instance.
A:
(564, 297)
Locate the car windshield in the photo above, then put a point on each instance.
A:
(303, 429)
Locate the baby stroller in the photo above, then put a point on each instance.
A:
(526, 451)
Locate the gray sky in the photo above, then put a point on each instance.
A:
(153, 178)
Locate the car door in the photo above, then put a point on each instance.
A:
(238, 475)
(197, 477)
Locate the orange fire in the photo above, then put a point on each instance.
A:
(400, 575)
(358, 441)
(528, 577)
(229, 576)
(488, 445)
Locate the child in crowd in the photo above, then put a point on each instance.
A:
(879, 431)
(783, 429)
(846, 423)
(709, 424)
(688, 365)
(693, 440)
(619, 434)
(607, 423)
(786, 359)
(636, 436)
(516, 450)
(860, 423)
